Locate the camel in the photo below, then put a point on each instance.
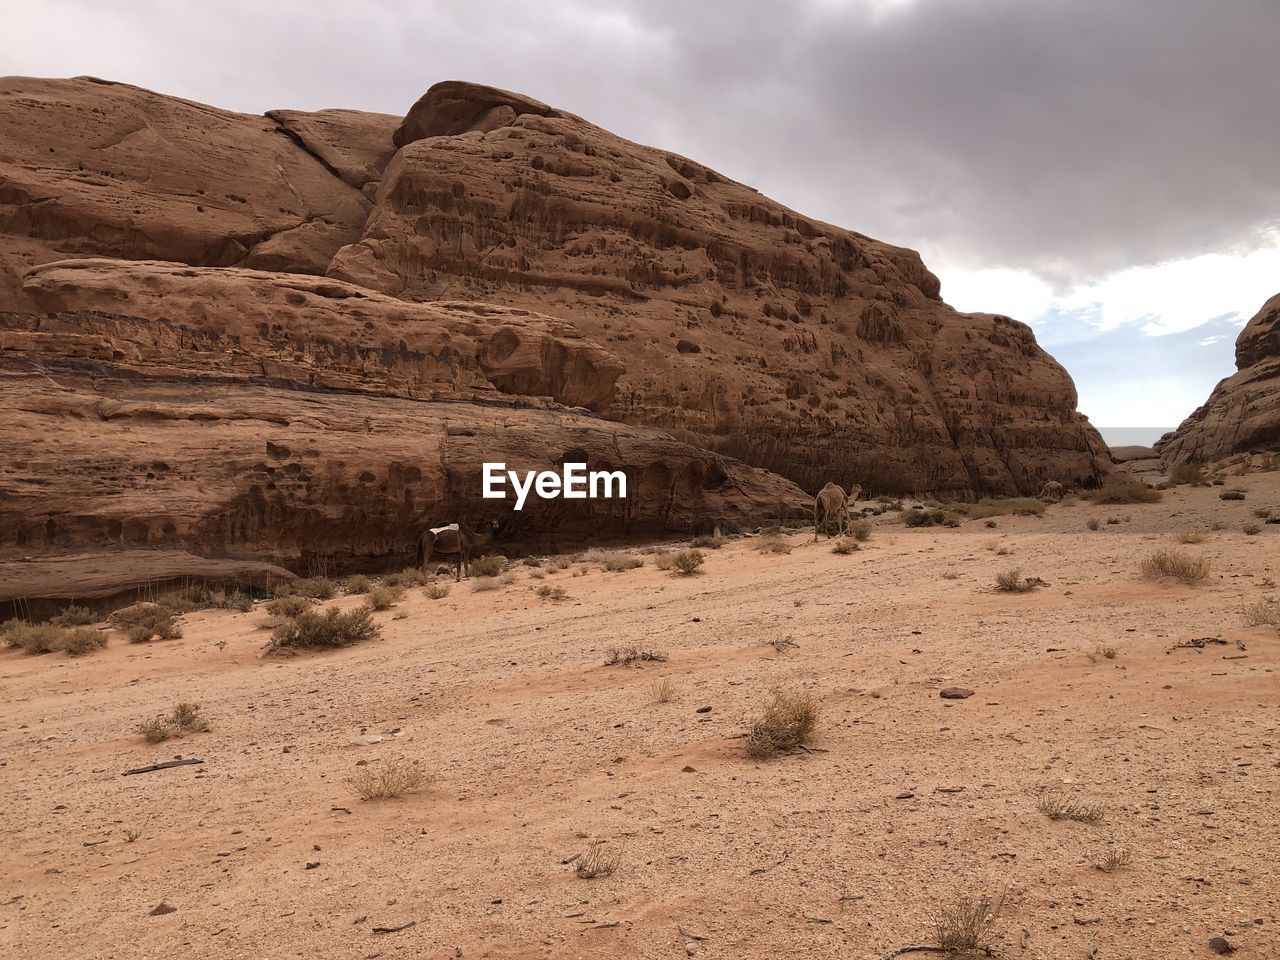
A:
(832, 502)
(455, 540)
(1052, 490)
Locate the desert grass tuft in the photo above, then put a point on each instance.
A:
(1176, 564)
(772, 543)
(73, 616)
(1264, 612)
(548, 592)
(624, 656)
(388, 779)
(787, 720)
(663, 690)
(1115, 859)
(1060, 806)
(596, 862)
(846, 546)
(436, 591)
(1012, 581)
(144, 622)
(1190, 536)
(357, 584)
(967, 924)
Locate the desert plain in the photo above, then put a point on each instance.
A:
(1150, 703)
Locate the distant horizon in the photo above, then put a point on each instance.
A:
(1132, 436)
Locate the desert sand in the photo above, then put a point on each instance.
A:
(535, 749)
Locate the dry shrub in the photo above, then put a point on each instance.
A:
(595, 862)
(1012, 581)
(144, 622)
(1264, 612)
(860, 530)
(614, 561)
(289, 606)
(436, 591)
(663, 690)
(317, 588)
(384, 597)
(357, 584)
(923, 518)
(615, 656)
(987, 507)
(332, 628)
(772, 543)
(787, 720)
(408, 577)
(712, 541)
(1093, 523)
(73, 616)
(391, 778)
(1262, 513)
(967, 924)
(1124, 491)
(1251, 529)
(1186, 473)
(83, 640)
(560, 562)
(1060, 806)
(489, 566)
(1116, 858)
(687, 562)
(846, 547)
(184, 718)
(1190, 537)
(664, 560)
(548, 592)
(1232, 494)
(1176, 564)
(156, 730)
(506, 578)
(41, 638)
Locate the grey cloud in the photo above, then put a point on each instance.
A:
(1069, 138)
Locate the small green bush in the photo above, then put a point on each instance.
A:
(144, 622)
(289, 606)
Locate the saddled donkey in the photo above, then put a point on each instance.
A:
(1052, 490)
(832, 502)
(457, 541)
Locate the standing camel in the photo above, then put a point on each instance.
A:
(456, 540)
(831, 502)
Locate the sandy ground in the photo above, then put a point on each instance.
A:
(536, 748)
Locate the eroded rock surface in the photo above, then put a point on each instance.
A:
(1243, 412)
(93, 168)
(792, 344)
(295, 338)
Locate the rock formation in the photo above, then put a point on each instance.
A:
(1243, 412)
(792, 344)
(296, 337)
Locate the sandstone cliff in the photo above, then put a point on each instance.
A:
(792, 344)
(1243, 412)
(295, 338)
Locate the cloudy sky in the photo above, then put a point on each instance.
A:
(1106, 170)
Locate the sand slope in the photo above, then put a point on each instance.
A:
(537, 748)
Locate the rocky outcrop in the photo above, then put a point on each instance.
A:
(243, 325)
(792, 344)
(296, 338)
(90, 168)
(1243, 412)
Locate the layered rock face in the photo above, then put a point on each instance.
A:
(91, 168)
(811, 350)
(296, 338)
(1243, 412)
